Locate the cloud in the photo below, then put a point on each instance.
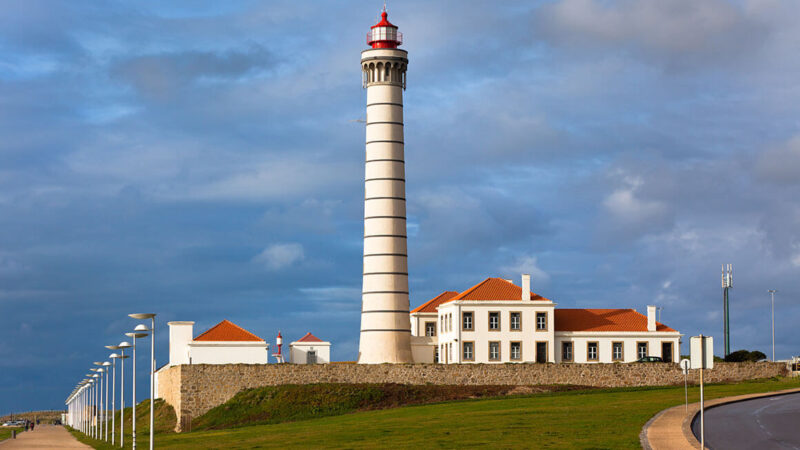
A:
(629, 212)
(780, 164)
(161, 76)
(676, 32)
(280, 256)
(530, 265)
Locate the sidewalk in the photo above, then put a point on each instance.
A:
(671, 428)
(43, 436)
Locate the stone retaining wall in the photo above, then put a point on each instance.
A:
(194, 389)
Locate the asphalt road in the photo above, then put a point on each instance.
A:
(764, 423)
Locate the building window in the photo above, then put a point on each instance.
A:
(591, 351)
(466, 321)
(450, 322)
(566, 351)
(494, 351)
(494, 321)
(441, 324)
(516, 351)
(616, 351)
(450, 351)
(641, 349)
(468, 351)
(430, 328)
(436, 354)
(515, 321)
(541, 321)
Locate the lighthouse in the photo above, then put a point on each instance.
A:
(385, 324)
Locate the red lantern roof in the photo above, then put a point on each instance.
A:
(384, 21)
(384, 34)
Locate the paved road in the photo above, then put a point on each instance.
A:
(43, 436)
(764, 423)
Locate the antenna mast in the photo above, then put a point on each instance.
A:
(727, 283)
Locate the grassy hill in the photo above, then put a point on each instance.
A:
(286, 403)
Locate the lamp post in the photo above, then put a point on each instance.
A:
(772, 295)
(122, 346)
(100, 403)
(113, 357)
(134, 335)
(152, 330)
(105, 409)
(95, 384)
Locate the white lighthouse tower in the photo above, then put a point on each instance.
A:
(385, 323)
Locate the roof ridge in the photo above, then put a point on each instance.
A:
(468, 291)
(228, 323)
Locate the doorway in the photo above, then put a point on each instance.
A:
(666, 351)
(311, 357)
(541, 352)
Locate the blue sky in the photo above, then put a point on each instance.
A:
(205, 162)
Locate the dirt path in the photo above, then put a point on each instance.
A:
(43, 436)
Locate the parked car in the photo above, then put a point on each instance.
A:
(650, 359)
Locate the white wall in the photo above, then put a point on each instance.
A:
(423, 349)
(453, 336)
(604, 340)
(180, 335)
(299, 352)
(234, 352)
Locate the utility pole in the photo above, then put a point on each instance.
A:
(772, 295)
(727, 284)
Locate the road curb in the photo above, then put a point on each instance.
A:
(671, 429)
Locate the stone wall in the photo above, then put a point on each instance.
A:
(194, 389)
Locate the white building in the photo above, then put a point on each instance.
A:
(224, 343)
(310, 349)
(496, 321)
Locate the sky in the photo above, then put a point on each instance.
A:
(204, 160)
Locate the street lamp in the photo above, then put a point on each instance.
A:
(134, 335)
(772, 294)
(95, 384)
(113, 357)
(105, 410)
(152, 330)
(100, 401)
(122, 346)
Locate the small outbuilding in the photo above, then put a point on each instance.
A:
(310, 349)
(224, 343)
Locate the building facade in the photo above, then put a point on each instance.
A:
(224, 343)
(310, 349)
(496, 321)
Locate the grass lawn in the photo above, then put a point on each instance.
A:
(5, 432)
(593, 419)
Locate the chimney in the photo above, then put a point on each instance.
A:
(526, 287)
(180, 335)
(651, 318)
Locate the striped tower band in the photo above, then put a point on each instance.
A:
(385, 324)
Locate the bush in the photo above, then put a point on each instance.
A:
(745, 356)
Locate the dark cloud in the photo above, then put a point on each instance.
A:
(202, 161)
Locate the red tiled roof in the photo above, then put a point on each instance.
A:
(603, 320)
(431, 305)
(227, 331)
(495, 289)
(309, 338)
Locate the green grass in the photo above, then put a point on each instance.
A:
(5, 432)
(289, 403)
(163, 418)
(591, 419)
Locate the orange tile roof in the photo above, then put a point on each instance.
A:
(603, 320)
(227, 331)
(495, 289)
(309, 338)
(431, 305)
